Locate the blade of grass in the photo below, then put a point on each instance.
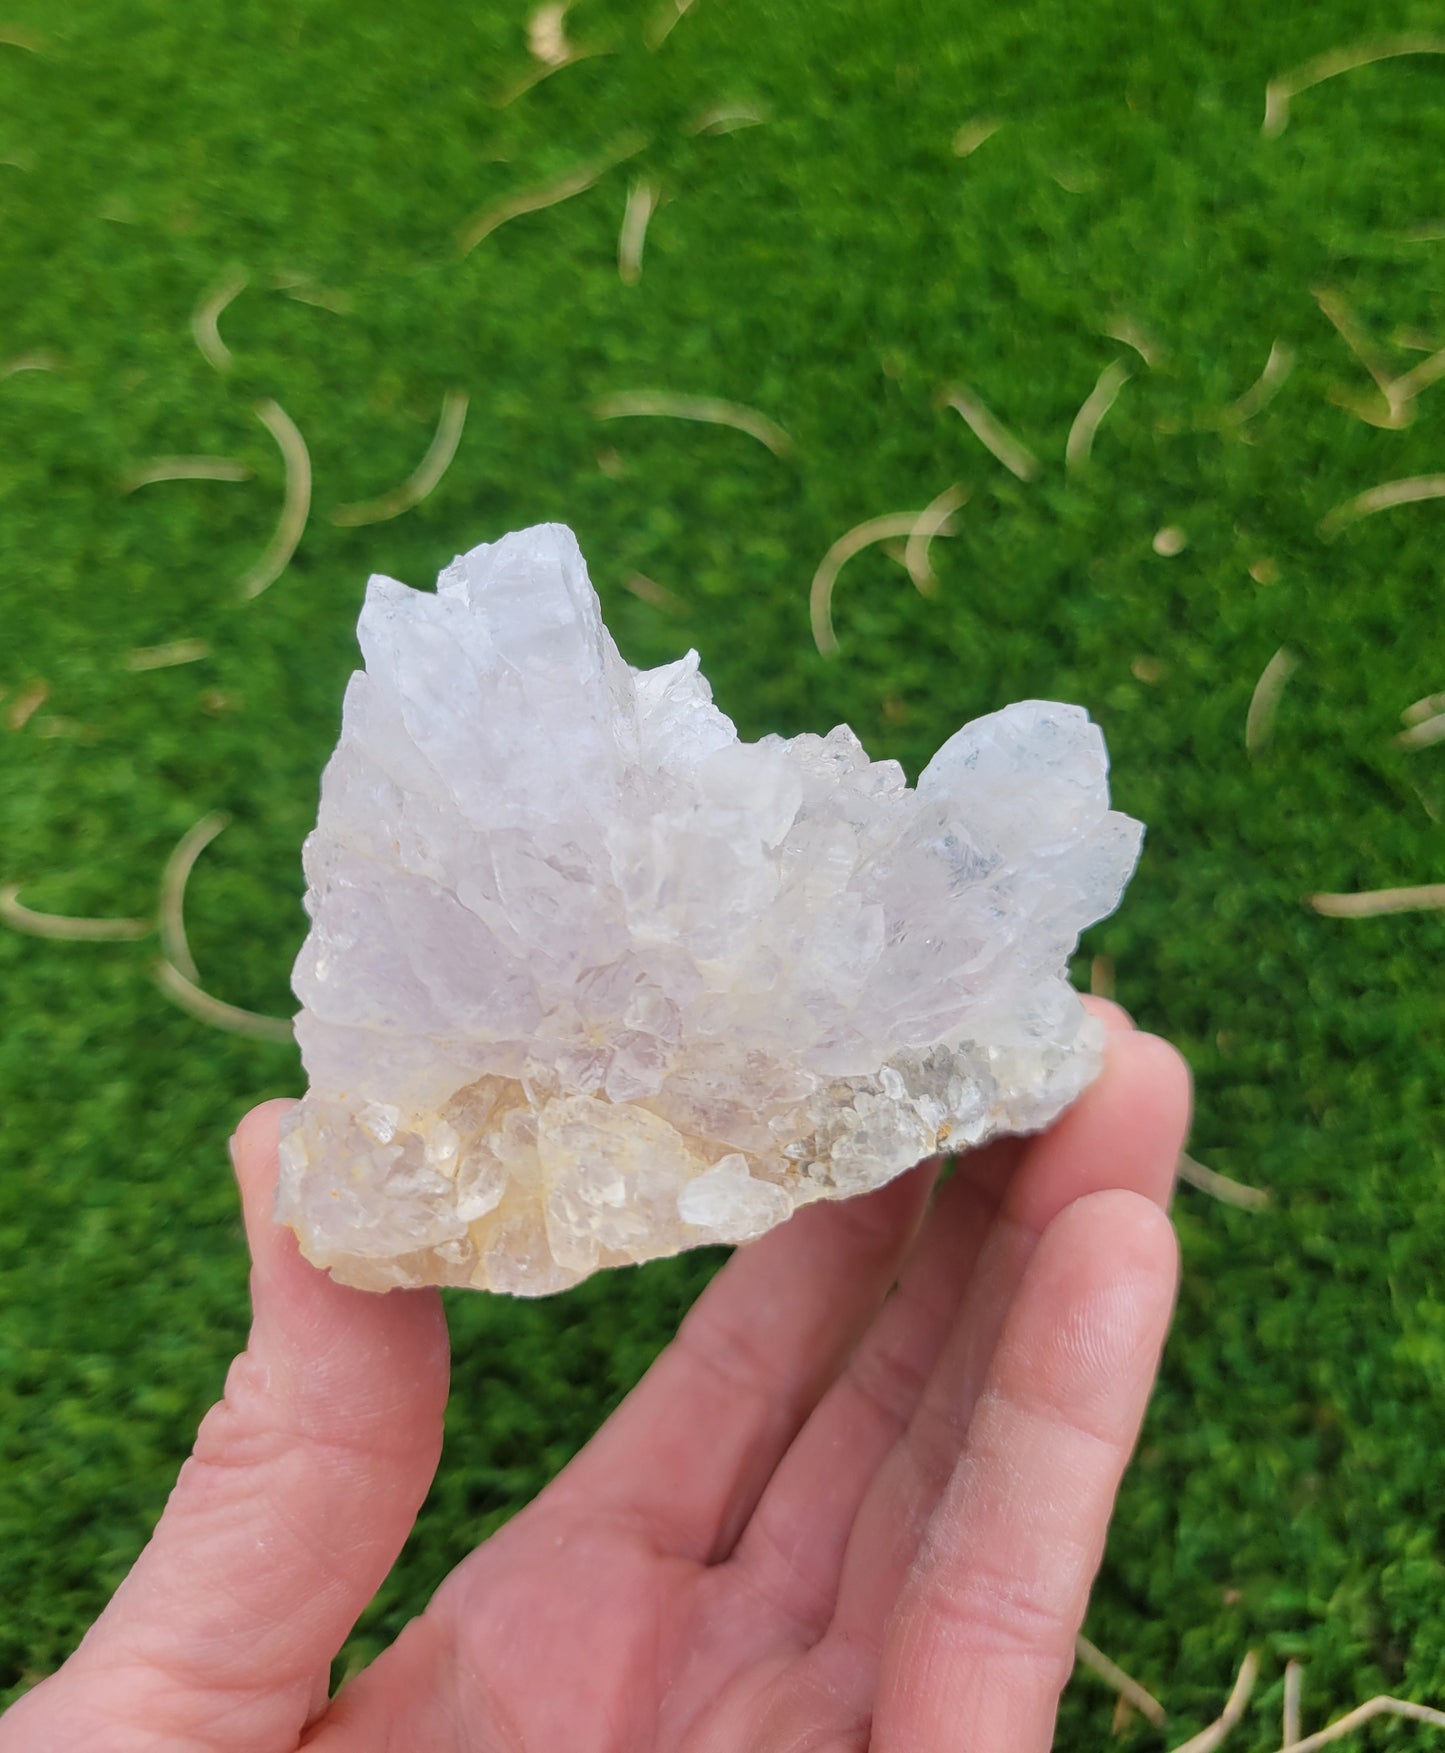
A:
(1279, 93)
(1144, 1701)
(1220, 1187)
(1264, 388)
(662, 404)
(1209, 1738)
(544, 195)
(1015, 456)
(295, 507)
(1388, 494)
(424, 479)
(642, 200)
(937, 514)
(165, 657)
(205, 319)
(67, 925)
(1264, 702)
(851, 542)
(215, 1011)
(1372, 903)
(1362, 1714)
(171, 913)
(185, 469)
(1080, 444)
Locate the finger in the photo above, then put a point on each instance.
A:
(794, 1545)
(1124, 1133)
(304, 1482)
(983, 1636)
(688, 1452)
(1126, 1130)
(804, 1526)
(1113, 1016)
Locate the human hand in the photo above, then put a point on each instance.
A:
(827, 1518)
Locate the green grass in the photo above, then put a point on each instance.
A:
(835, 267)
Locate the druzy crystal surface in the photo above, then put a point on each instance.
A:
(589, 980)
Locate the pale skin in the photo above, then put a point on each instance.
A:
(857, 1503)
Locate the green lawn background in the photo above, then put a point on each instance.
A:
(836, 265)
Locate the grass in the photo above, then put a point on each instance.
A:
(840, 270)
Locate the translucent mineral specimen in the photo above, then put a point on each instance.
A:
(590, 981)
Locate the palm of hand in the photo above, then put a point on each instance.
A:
(828, 1518)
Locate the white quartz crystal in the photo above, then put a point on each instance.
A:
(590, 981)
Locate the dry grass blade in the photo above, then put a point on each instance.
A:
(26, 704)
(1352, 333)
(1219, 1186)
(1364, 1713)
(67, 925)
(545, 195)
(1383, 498)
(931, 521)
(338, 303)
(1264, 388)
(1427, 803)
(185, 469)
(1385, 413)
(728, 118)
(547, 34)
(1424, 734)
(295, 507)
(1125, 329)
(424, 479)
(216, 1011)
(205, 320)
(648, 590)
(53, 725)
(1208, 1739)
(38, 359)
(534, 76)
(1263, 703)
(1124, 1684)
(14, 36)
(662, 404)
(1405, 388)
(1293, 1687)
(166, 657)
(642, 199)
(1279, 92)
(171, 917)
(973, 133)
(1080, 444)
(1423, 709)
(1372, 903)
(667, 19)
(851, 542)
(305, 290)
(1015, 456)
(1101, 976)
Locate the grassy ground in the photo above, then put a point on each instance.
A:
(835, 265)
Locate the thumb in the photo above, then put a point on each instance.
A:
(304, 1483)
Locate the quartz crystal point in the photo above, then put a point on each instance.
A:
(590, 981)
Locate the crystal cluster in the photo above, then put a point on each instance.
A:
(590, 981)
